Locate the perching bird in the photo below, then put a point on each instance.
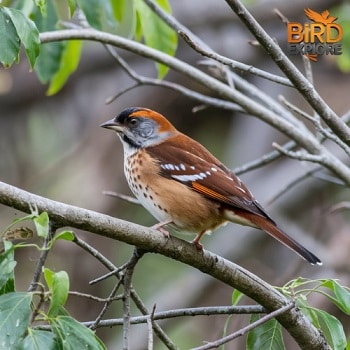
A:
(182, 184)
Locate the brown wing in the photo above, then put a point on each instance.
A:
(188, 162)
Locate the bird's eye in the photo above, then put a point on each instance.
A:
(133, 122)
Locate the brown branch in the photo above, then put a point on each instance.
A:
(300, 328)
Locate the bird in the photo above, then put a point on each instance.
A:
(183, 185)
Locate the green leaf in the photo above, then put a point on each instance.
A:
(64, 235)
(7, 266)
(38, 340)
(118, 7)
(267, 336)
(41, 223)
(124, 14)
(48, 61)
(236, 297)
(27, 33)
(58, 284)
(99, 14)
(342, 295)
(14, 318)
(68, 64)
(308, 311)
(73, 335)
(157, 34)
(332, 329)
(71, 5)
(9, 40)
(48, 274)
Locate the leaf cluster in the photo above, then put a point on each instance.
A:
(55, 62)
(22, 312)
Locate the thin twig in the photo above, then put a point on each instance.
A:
(136, 299)
(109, 274)
(234, 64)
(150, 322)
(253, 91)
(135, 258)
(264, 160)
(143, 80)
(187, 312)
(122, 196)
(315, 120)
(37, 307)
(43, 256)
(106, 305)
(300, 155)
(94, 298)
(246, 329)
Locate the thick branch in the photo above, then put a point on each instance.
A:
(307, 336)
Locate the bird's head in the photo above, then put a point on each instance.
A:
(140, 127)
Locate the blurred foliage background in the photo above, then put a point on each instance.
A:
(53, 146)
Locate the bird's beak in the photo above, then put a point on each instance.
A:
(113, 125)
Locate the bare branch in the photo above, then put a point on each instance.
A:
(234, 64)
(201, 47)
(41, 262)
(327, 133)
(246, 329)
(264, 160)
(136, 299)
(106, 305)
(150, 321)
(300, 155)
(94, 298)
(142, 80)
(187, 312)
(135, 258)
(305, 88)
(148, 239)
(109, 274)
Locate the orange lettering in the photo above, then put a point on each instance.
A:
(294, 32)
(314, 33)
(339, 30)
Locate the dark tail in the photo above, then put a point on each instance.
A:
(270, 228)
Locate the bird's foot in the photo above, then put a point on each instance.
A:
(197, 244)
(160, 227)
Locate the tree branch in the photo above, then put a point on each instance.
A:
(302, 136)
(246, 329)
(306, 335)
(301, 83)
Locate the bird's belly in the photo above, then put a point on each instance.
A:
(169, 200)
(187, 210)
